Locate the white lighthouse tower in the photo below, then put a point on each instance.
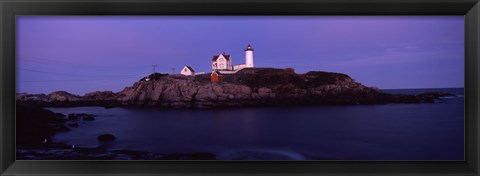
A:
(249, 57)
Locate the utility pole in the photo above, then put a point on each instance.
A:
(154, 71)
(173, 71)
(154, 76)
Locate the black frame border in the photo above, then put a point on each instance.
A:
(11, 8)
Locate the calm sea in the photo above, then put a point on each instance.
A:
(357, 132)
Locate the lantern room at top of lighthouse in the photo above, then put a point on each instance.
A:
(249, 48)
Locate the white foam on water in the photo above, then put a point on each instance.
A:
(261, 154)
(452, 97)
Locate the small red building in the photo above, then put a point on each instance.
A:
(216, 76)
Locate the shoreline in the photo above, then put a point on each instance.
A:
(426, 97)
(62, 151)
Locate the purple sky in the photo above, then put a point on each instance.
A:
(80, 54)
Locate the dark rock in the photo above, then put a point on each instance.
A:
(85, 115)
(72, 117)
(59, 127)
(404, 98)
(60, 115)
(430, 97)
(35, 126)
(88, 118)
(189, 156)
(106, 138)
(435, 95)
(75, 124)
(132, 154)
(98, 149)
(108, 106)
(58, 120)
(60, 145)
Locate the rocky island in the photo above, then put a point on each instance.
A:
(248, 87)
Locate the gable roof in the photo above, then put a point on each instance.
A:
(216, 72)
(190, 68)
(224, 55)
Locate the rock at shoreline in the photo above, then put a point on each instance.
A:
(60, 115)
(88, 118)
(106, 138)
(35, 126)
(248, 87)
(84, 116)
(60, 127)
(435, 95)
(72, 117)
(75, 124)
(188, 156)
(427, 97)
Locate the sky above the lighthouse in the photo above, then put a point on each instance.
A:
(81, 54)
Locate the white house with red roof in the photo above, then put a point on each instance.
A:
(223, 62)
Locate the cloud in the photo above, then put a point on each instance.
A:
(395, 57)
(403, 46)
(451, 41)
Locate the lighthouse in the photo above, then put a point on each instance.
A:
(249, 57)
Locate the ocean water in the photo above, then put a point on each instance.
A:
(356, 132)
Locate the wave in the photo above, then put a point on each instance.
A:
(261, 154)
(452, 97)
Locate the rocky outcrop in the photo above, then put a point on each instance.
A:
(35, 126)
(73, 124)
(100, 96)
(52, 98)
(63, 96)
(427, 97)
(248, 87)
(106, 138)
(24, 97)
(251, 87)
